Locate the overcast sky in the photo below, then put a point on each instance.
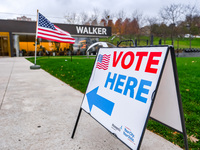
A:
(55, 10)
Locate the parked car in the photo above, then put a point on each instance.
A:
(94, 48)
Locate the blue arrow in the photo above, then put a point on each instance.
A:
(100, 102)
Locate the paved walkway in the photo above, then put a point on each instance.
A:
(38, 112)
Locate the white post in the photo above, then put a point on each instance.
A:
(16, 44)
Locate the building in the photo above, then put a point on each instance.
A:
(24, 18)
(18, 38)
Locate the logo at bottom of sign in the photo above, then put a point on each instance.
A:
(125, 132)
(129, 134)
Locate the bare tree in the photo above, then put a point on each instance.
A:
(103, 22)
(133, 28)
(164, 31)
(126, 26)
(137, 21)
(138, 16)
(71, 17)
(120, 16)
(107, 15)
(171, 15)
(94, 17)
(191, 12)
(151, 22)
(84, 18)
(118, 27)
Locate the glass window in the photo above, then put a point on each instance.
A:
(81, 44)
(4, 44)
(44, 47)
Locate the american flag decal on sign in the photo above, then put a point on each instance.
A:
(103, 61)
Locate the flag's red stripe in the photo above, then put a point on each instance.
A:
(56, 40)
(51, 31)
(56, 36)
(102, 67)
(61, 29)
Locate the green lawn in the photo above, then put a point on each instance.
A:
(77, 72)
(68, 71)
(178, 43)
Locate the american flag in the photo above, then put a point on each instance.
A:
(49, 31)
(103, 61)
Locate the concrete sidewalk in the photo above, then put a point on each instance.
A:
(38, 112)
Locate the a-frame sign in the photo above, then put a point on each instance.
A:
(128, 86)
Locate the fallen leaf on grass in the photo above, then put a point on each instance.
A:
(193, 139)
(174, 133)
(187, 90)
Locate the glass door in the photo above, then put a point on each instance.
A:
(4, 46)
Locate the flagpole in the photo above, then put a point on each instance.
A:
(36, 37)
(36, 66)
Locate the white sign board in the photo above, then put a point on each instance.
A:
(120, 91)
